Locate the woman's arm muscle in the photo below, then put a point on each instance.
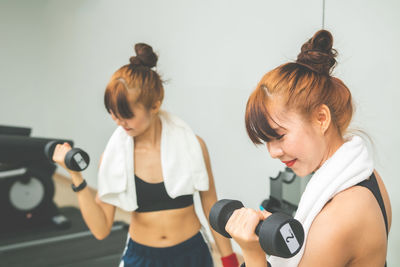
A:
(98, 216)
(208, 198)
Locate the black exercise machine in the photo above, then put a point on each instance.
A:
(285, 192)
(26, 183)
(33, 230)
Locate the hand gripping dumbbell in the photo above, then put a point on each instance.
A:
(279, 234)
(75, 160)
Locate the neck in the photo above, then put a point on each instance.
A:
(152, 136)
(334, 142)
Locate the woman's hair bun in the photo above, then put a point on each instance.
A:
(318, 54)
(145, 56)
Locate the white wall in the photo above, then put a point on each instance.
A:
(57, 57)
(368, 38)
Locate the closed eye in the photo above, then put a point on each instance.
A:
(280, 137)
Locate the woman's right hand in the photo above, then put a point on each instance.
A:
(59, 154)
(241, 226)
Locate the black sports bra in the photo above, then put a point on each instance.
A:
(373, 186)
(154, 197)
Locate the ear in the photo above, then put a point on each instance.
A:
(155, 108)
(323, 118)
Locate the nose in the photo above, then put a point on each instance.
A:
(118, 121)
(275, 150)
(121, 122)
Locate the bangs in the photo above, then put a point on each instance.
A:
(257, 124)
(116, 99)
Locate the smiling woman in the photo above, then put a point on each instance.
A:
(290, 96)
(301, 113)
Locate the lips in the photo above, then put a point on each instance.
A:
(290, 163)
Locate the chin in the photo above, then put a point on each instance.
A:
(131, 133)
(134, 133)
(302, 173)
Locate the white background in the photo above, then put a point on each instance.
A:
(56, 58)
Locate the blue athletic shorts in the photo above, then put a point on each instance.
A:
(193, 252)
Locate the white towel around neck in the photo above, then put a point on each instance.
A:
(182, 164)
(348, 166)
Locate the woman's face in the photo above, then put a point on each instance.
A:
(301, 145)
(139, 122)
(136, 125)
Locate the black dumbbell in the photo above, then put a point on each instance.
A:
(279, 234)
(75, 160)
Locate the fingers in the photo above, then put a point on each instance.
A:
(264, 214)
(60, 152)
(242, 224)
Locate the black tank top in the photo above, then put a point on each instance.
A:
(373, 186)
(154, 197)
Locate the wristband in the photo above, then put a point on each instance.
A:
(79, 187)
(244, 264)
(230, 260)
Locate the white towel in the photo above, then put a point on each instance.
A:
(349, 165)
(182, 162)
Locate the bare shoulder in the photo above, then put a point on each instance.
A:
(330, 238)
(357, 207)
(343, 228)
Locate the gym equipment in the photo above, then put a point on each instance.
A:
(47, 245)
(24, 149)
(279, 234)
(76, 159)
(15, 130)
(286, 189)
(19, 148)
(26, 198)
(31, 224)
(26, 184)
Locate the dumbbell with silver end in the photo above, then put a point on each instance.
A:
(279, 234)
(75, 160)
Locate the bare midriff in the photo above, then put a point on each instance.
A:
(164, 228)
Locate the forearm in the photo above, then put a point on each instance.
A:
(255, 258)
(92, 213)
(223, 244)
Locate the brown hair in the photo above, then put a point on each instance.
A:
(304, 85)
(138, 75)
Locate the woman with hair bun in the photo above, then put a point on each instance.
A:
(151, 167)
(302, 113)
